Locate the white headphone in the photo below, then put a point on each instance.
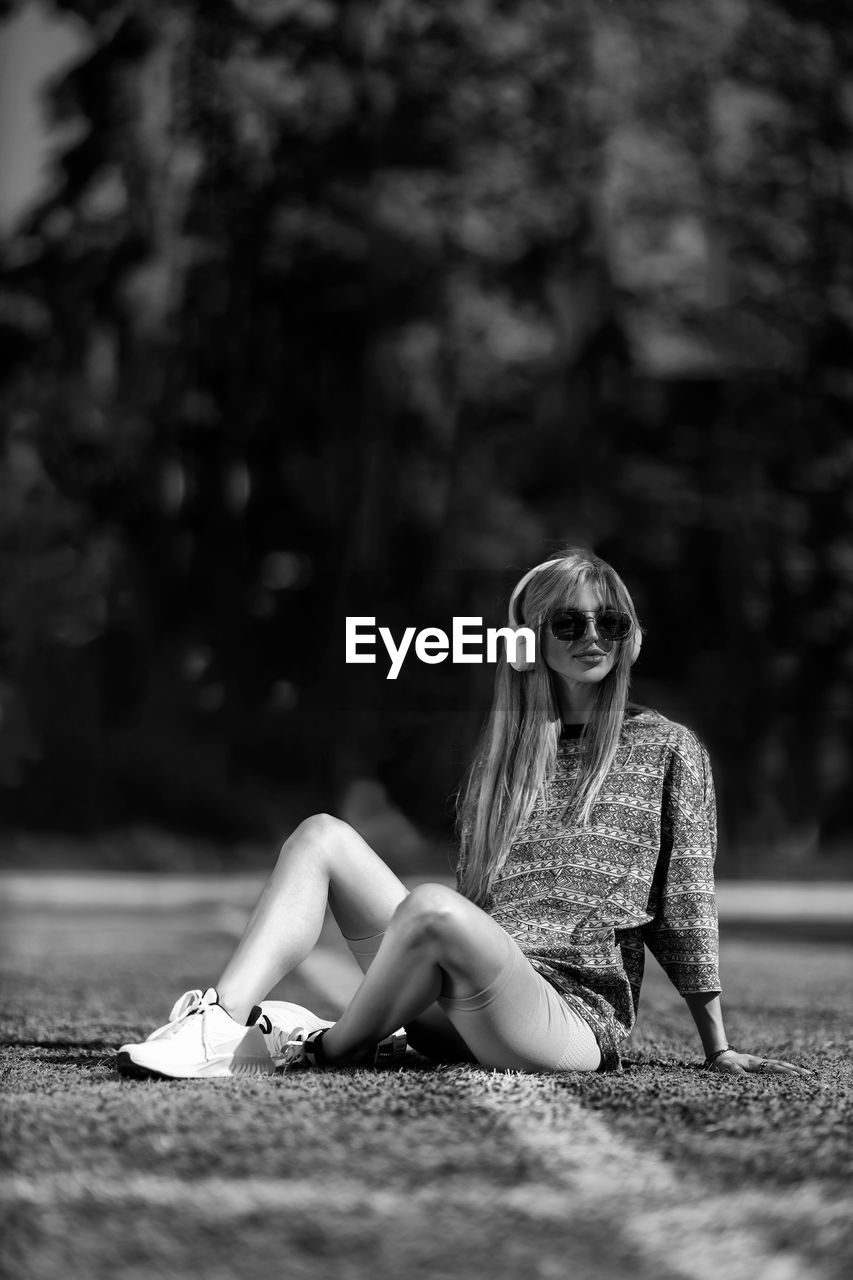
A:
(522, 664)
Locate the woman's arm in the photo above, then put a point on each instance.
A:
(683, 935)
(707, 1013)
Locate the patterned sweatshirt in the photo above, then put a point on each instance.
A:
(583, 902)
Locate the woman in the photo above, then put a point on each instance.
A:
(588, 831)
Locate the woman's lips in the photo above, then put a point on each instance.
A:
(590, 658)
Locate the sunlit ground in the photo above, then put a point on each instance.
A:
(662, 1171)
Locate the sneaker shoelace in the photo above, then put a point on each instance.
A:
(286, 1047)
(189, 1004)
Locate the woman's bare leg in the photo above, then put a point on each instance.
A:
(436, 944)
(324, 860)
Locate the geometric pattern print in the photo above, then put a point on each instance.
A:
(582, 903)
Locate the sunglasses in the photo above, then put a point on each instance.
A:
(570, 624)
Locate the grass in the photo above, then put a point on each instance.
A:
(662, 1171)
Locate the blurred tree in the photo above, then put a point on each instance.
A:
(359, 308)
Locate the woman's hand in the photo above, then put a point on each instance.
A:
(733, 1063)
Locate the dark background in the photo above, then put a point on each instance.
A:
(363, 308)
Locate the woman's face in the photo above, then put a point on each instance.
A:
(585, 661)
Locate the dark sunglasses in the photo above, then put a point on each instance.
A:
(571, 624)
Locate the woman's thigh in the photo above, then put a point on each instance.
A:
(520, 1022)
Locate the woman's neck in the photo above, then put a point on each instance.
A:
(574, 701)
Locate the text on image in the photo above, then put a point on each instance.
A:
(432, 645)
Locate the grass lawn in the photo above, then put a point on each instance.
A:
(663, 1171)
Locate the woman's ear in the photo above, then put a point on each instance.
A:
(637, 644)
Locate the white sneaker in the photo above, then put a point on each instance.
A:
(288, 1027)
(199, 1040)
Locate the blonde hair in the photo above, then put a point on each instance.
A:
(517, 751)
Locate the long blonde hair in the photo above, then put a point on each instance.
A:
(517, 750)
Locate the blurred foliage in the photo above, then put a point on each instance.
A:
(360, 309)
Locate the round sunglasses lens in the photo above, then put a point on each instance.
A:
(567, 628)
(613, 625)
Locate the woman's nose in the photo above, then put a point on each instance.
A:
(597, 640)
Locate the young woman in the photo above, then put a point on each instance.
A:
(588, 832)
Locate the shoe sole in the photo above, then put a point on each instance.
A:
(125, 1066)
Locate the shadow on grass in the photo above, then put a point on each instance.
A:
(82, 1046)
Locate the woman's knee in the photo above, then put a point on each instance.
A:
(322, 831)
(430, 911)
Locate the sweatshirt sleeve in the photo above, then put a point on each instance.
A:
(682, 936)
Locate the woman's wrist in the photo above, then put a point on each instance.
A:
(712, 1057)
(707, 1013)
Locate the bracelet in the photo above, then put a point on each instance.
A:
(714, 1056)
